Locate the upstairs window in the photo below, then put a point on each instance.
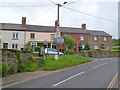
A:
(82, 38)
(32, 35)
(105, 38)
(95, 38)
(15, 35)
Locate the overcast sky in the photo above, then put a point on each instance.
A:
(97, 14)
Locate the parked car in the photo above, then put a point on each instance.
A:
(51, 51)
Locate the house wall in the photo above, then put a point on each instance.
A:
(100, 41)
(39, 36)
(6, 36)
(76, 37)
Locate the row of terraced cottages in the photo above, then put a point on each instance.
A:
(14, 36)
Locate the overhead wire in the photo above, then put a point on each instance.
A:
(46, 11)
(89, 14)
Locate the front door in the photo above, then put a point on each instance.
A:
(5, 45)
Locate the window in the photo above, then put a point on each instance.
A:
(95, 38)
(82, 38)
(75, 46)
(32, 35)
(15, 35)
(105, 38)
(14, 46)
(95, 47)
(52, 36)
(33, 44)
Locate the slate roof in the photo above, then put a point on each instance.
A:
(37, 28)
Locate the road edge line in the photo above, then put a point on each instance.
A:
(112, 82)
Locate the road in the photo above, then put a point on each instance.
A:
(96, 74)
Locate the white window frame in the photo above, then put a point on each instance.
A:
(32, 35)
(95, 38)
(82, 38)
(15, 35)
(33, 44)
(52, 36)
(105, 38)
(95, 46)
(14, 46)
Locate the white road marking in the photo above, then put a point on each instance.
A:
(99, 65)
(68, 79)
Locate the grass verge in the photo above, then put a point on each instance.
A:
(64, 61)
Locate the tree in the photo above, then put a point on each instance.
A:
(68, 41)
(87, 47)
(80, 46)
(116, 42)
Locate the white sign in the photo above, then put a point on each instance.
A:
(56, 56)
(60, 40)
(57, 34)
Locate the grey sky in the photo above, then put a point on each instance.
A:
(46, 13)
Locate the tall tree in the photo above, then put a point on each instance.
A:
(68, 41)
(87, 47)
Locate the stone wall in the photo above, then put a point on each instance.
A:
(99, 54)
(11, 57)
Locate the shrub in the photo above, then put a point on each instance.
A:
(37, 49)
(69, 52)
(8, 54)
(90, 54)
(31, 58)
(18, 54)
(4, 69)
(3, 58)
(26, 65)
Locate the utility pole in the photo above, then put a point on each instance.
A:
(58, 21)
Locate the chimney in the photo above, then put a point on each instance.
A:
(84, 26)
(23, 22)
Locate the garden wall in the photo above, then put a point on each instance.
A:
(99, 54)
(11, 58)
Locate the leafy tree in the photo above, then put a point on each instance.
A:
(116, 42)
(80, 46)
(68, 41)
(87, 47)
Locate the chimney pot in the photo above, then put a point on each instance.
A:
(84, 26)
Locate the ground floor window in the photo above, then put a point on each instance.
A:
(95, 47)
(33, 44)
(14, 46)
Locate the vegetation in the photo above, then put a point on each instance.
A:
(4, 68)
(27, 65)
(87, 47)
(116, 42)
(69, 52)
(80, 47)
(37, 48)
(64, 61)
(68, 41)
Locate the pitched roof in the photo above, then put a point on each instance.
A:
(37, 28)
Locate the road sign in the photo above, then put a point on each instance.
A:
(57, 34)
(60, 40)
(60, 46)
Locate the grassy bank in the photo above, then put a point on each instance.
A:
(64, 61)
